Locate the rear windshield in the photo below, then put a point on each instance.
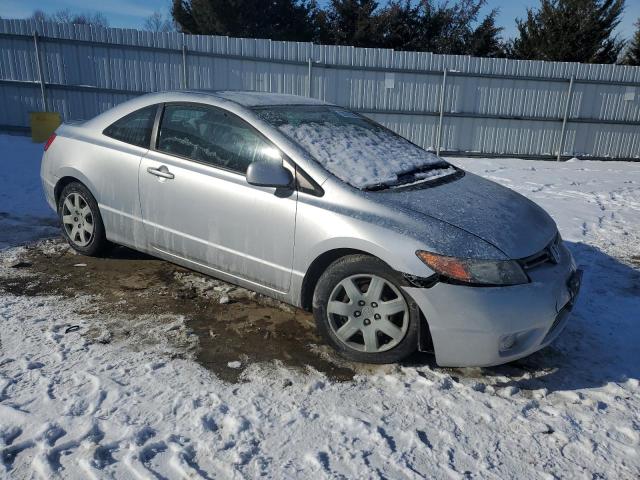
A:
(353, 148)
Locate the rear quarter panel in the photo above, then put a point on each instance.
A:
(48, 175)
(109, 169)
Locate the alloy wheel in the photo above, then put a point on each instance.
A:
(77, 219)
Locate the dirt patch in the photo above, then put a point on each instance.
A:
(235, 327)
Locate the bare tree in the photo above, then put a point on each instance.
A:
(39, 16)
(158, 23)
(632, 55)
(66, 16)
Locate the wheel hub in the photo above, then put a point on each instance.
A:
(368, 313)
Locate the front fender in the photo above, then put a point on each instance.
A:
(402, 258)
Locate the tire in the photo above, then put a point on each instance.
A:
(81, 221)
(366, 330)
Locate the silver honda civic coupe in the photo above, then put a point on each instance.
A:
(390, 246)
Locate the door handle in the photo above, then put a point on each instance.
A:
(161, 171)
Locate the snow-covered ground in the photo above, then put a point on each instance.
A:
(143, 407)
(24, 214)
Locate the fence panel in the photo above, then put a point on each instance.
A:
(489, 107)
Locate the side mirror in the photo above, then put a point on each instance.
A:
(267, 174)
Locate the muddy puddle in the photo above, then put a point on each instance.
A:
(235, 327)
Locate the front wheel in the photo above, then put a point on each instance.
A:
(361, 310)
(81, 221)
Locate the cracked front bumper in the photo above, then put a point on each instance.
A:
(484, 326)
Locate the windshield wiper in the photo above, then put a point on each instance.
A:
(410, 176)
(378, 186)
(423, 168)
(407, 177)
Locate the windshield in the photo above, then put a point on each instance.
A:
(353, 148)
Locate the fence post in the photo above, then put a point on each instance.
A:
(185, 83)
(309, 77)
(442, 95)
(565, 118)
(40, 71)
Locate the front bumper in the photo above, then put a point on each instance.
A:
(483, 326)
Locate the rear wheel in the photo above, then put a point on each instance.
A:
(361, 310)
(81, 221)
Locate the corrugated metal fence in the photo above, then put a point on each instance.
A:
(453, 103)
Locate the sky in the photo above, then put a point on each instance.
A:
(131, 14)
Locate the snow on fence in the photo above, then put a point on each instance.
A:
(455, 104)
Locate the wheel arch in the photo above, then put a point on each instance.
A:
(325, 252)
(322, 262)
(317, 268)
(59, 187)
(69, 175)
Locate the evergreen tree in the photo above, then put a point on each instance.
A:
(351, 22)
(275, 19)
(442, 27)
(485, 40)
(437, 26)
(570, 31)
(400, 25)
(632, 56)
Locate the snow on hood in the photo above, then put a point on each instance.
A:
(510, 222)
(362, 157)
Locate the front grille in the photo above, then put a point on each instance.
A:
(542, 257)
(535, 260)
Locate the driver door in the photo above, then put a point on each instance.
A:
(197, 206)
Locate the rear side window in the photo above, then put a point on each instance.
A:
(135, 128)
(212, 136)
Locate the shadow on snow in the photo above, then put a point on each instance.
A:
(600, 344)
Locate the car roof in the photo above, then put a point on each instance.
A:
(241, 99)
(248, 98)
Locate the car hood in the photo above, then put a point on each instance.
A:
(509, 221)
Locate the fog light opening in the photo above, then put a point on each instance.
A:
(507, 342)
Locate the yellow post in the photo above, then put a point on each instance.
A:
(43, 124)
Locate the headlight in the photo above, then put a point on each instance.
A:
(466, 270)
